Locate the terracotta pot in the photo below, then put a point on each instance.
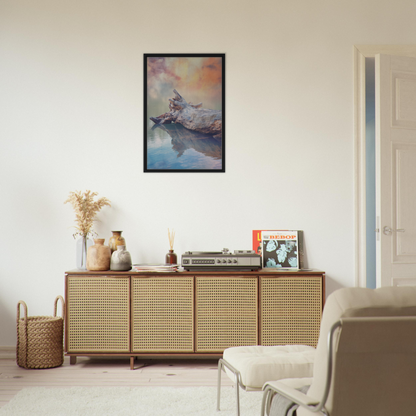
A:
(98, 256)
(116, 240)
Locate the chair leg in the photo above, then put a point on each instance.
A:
(237, 390)
(221, 364)
(219, 384)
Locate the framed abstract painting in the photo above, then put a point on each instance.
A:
(184, 113)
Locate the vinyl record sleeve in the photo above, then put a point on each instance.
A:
(279, 248)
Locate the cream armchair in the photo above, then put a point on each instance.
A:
(365, 362)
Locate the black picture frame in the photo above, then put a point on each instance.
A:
(188, 137)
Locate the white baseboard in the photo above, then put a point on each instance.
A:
(7, 352)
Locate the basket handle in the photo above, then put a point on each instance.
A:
(21, 302)
(24, 340)
(56, 305)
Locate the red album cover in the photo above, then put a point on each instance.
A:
(257, 241)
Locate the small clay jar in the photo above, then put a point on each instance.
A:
(120, 259)
(98, 256)
(116, 240)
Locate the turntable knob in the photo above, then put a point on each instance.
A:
(225, 250)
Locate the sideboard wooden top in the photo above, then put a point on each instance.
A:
(263, 272)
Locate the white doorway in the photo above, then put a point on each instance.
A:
(394, 263)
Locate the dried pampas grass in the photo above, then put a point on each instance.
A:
(85, 210)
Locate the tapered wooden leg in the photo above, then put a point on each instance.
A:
(72, 359)
(131, 363)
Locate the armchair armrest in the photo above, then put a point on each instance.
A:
(291, 393)
(312, 404)
(289, 389)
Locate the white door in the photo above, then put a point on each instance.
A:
(396, 170)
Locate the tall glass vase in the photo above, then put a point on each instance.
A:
(81, 252)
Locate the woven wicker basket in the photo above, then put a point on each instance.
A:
(40, 338)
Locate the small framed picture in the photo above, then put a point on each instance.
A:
(184, 113)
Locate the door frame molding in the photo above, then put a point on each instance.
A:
(360, 53)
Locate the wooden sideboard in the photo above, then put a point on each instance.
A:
(189, 313)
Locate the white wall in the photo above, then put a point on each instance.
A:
(71, 118)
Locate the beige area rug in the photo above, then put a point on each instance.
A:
(130, 401)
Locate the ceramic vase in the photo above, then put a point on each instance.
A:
(116, 240)
(171, 258)
(98, 256)
(82, 246)
(121, 259)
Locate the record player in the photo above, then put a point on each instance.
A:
(240, 260)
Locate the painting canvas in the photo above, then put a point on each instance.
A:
(184, 113)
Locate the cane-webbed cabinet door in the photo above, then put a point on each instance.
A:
(98, 309)
(162, 314)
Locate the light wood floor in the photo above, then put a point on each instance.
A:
(109, 372)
